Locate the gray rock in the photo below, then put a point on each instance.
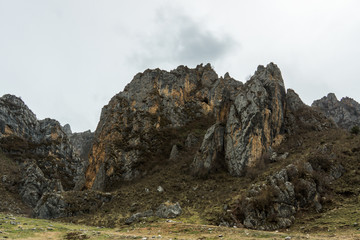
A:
(35, 184)
(345, 113)
(257, 109)
(293, 101)
(137, 216)
(255, 122)
(273, 205)
(48, 160)
(51, 205)
(210, 154)
(67, 129)
(174, 153)
(69, 203)
(168, 210)
(160, 189)
(191, 140)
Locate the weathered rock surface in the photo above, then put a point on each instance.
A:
(168, 210)
(256, 119)
(250, 119)
(210, 155)
(70, 203)
(41, 147)
(51, 205)
(273, 205)
(345, 113)
(259, 118)
(254, 123)
(293, 101)
(35, 184)
(137, 216)
(165, 210)
(81, 143)
(128, 133)
(174, 153)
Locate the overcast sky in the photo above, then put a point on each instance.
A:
(66, 59)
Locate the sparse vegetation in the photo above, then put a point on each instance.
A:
(355, 130)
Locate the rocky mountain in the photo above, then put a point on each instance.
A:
(249, 119)
(187, 142)
(345, 113)
(132, 126)
(41, 148)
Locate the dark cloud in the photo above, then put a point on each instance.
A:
(179, 39)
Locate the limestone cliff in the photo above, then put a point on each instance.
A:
(40, 147)
(259, 118)
(254, 123)
(345, 113)
(251, 118)
(128, 134)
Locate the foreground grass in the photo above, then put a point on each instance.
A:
(16, 227)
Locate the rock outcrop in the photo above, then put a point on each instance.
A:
(168, 210)
(345, 113)
(273, 204)
(254, 123)
(81, 143)
(165, 210)
(256, 119)
(259, 118)
(70, 203)
(132, 124)
(42, 149)
(250, 119)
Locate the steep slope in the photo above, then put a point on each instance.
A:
(129, 139)
(345, 113)
(135, 127)
(254, 124)
(41, 148)
(248, 155)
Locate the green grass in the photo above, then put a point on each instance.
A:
(21, 228)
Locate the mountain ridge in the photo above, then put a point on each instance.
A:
(187, 124)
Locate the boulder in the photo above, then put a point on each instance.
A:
(168, 210)
(174, 153)
(191, 140)
(137, 216)
(51, 205)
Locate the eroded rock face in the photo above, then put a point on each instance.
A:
(168, 210)
(273, 205)
(128, 131)
(35, 184)
(42, 149)
(256, 119)
(70, 203)
(210, 155)
(250, 119)
(345, 113)
(255, 122)
(81, 143)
